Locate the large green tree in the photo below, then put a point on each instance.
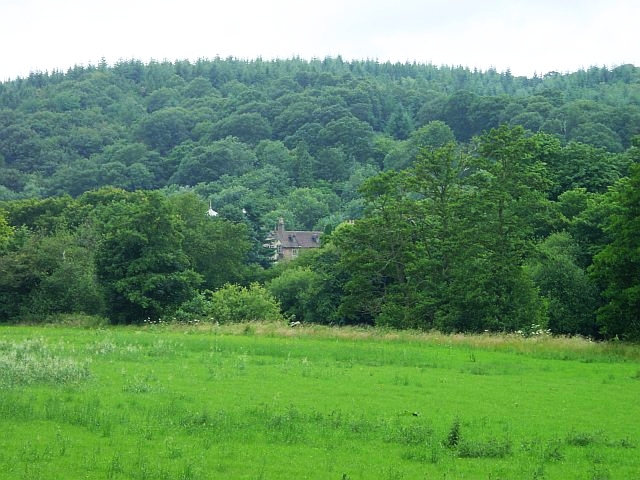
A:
(505, 211)
(140, 259)
(217, 248)
(48, 274)
(571, 296)
(617, 265)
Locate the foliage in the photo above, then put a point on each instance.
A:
(48, 275)
(139, 258)
(443, 243)
(216, 248)
(234, 304)
(459, 182)
(572, 297)
(34, 362)
(617, 265)
(6, 232)
(59, 131)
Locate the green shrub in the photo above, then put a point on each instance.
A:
(234, 303)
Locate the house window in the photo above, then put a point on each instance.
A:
(294, 252)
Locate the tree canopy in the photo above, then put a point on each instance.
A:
(452, 199)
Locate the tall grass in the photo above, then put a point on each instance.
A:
(34, 362)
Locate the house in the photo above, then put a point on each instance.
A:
(288, 243)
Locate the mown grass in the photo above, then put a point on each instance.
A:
(265, 401)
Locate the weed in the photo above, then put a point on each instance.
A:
(552, 452)
(62, 442)
(599, 472)
(115, 468)
(427, 454)
(248, 329)
(188, 472)
(453, 437)
(138, 385)
(413, 434)
(580, 439)
(622, 443)
(103, 347)
(402, 381)
(393, 473)
(492, 448)
(241, 364)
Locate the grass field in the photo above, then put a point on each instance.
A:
(264, 401)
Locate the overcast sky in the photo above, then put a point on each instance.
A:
(525, 36)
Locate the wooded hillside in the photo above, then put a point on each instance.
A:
(454, 175)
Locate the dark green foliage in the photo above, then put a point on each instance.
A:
(572, 297)
(47, 275)
(465, 234)
(216, 248)
(49, 121)
(140, 260)
(443, 244)
(164, 129)
(200, 163)
(617, 266)
(454, 435)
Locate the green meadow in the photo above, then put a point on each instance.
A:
(266, 401)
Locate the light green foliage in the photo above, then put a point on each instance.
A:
(296, 290)
(6, 232)
(308, 205)
(310, 288)
(234, 303)
(211, 401)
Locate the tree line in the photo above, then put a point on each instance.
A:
(482, 201)
(470, 237)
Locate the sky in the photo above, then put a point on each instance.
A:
(526, 37)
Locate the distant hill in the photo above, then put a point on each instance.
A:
(309, 123)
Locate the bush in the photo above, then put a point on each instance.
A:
(233, 304)
(297, 292)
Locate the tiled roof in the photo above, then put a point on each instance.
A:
(295, 238)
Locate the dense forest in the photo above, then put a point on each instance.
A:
(452, 199)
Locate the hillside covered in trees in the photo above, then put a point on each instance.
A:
(482, 201)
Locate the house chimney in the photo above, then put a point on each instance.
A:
(280, 228)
